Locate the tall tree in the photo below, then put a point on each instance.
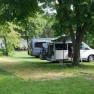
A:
(16, 10)
(76, 17)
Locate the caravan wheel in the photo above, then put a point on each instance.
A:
(91, 58)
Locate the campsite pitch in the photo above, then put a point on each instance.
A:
(23, 74)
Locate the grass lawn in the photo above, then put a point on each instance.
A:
(23, 74)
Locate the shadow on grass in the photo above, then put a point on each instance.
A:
(36, 64)
(87, 65)
(3, 72)
(41, 65)
(29, 57)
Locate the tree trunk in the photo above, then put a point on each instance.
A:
(76, 45)
(27, 39)
(6, 52)
(76, 41)
(76, 53)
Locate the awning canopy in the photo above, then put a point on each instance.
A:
(63, 39)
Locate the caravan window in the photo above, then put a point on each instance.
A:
(84, 46)
(61, 46)
(38, 44)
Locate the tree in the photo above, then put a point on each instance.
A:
(10, 36)
(15, 10)
(75, 17)
(3, 32)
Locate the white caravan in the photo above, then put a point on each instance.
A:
(36, 44)
(63, 51)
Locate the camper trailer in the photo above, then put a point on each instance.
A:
(62, 49)
(37, 44)
(59, 51)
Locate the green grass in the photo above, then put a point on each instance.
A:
(12, 77)
(77, 85)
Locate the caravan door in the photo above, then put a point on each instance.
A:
(37, 48)
(61, 51)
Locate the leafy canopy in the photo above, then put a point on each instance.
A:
(17, 9)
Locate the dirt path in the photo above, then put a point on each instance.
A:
(28, 71)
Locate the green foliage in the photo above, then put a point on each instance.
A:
(17, 9)
(11, 36)
(48, 28)
(13, 39)
(1, 52)
(74, 13)
(89, 38)
(39, 26)
(4, 29)
(36, 24)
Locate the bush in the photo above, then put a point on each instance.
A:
(1, 52)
